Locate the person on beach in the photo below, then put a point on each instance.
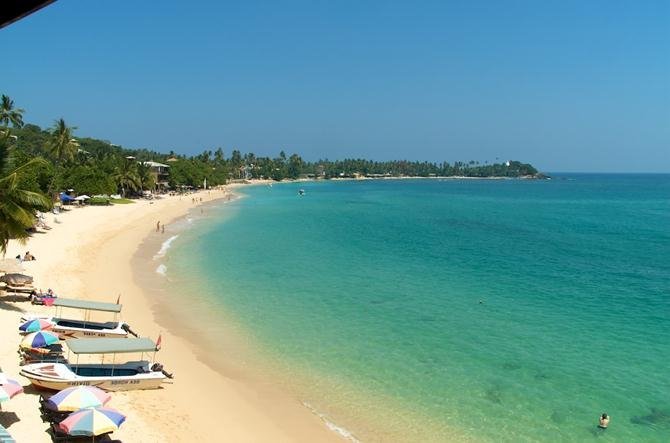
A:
(158, 225)
(29, 257)
(604, 421)
(163, 229)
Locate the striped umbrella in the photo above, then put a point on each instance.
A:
(92, 421)
(78, 397)
(36, 324)
(9, 388)
(40, 339)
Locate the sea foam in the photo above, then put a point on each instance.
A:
(343, 432)
(161, 269)
(165, 246)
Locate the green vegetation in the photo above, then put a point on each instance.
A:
(17, 204)
(99, 201)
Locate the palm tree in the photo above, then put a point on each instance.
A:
(8, 114)
(126, 176)
(62, 145)
(144, 176)
(17, 205)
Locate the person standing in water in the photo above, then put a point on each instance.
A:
(604, 421)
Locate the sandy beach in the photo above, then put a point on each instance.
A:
(88, 254)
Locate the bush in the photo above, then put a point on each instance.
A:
(98, 201)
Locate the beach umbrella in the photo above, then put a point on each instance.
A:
(10, 265)
(9, 388)
(16, 279)
(65, 198)
(39, 339)
(78, 397)
(36, 324)
(92, 421)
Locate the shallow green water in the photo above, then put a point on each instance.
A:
(376, 286)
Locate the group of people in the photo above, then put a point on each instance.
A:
(27, 257)
(42, 298)
(160, 227)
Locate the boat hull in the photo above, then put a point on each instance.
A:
(58, 376)
(107, 385)
(65, 333)
(66, 328)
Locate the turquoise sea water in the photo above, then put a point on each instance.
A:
(483, 310)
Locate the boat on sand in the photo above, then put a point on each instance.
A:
(86, 328)
(123, 376)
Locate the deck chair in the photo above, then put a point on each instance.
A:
(61, 437)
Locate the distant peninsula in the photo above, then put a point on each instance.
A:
(96, 166)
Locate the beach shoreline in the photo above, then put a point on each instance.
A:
(91, 254)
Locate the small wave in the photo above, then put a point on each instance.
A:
(332, 426)
(161, 269)
(165, 246)
(189, 220)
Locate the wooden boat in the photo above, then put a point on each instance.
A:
(129, 375)
(73, 328)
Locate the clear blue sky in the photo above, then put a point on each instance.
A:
(566, 85)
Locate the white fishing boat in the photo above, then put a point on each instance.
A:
(125, 376)
(86, 328)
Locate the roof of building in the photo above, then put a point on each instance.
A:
(110, 345)
(87, 304)
(13, 10)
(156, 164)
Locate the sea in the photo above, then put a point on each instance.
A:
(446, 309)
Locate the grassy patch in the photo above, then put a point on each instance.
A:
(98, 201)
(122, 201)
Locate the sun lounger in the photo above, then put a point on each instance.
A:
(47, 414)
(59, 436)
(52, 353)
(51, 416)
(5, 437)
(25, 289)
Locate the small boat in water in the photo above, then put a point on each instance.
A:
(129, 375)
(73, 328)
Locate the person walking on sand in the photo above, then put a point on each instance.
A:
(158, 225)
(604, 421)
(163, 229)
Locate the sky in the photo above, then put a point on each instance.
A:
(564, 85)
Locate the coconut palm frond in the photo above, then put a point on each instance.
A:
(34, 199)
(37, 161)
(62, 145)
(17, 206)
(18, 214)
(8, 183)
(9, 114)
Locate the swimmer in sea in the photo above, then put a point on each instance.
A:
(604, 421)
